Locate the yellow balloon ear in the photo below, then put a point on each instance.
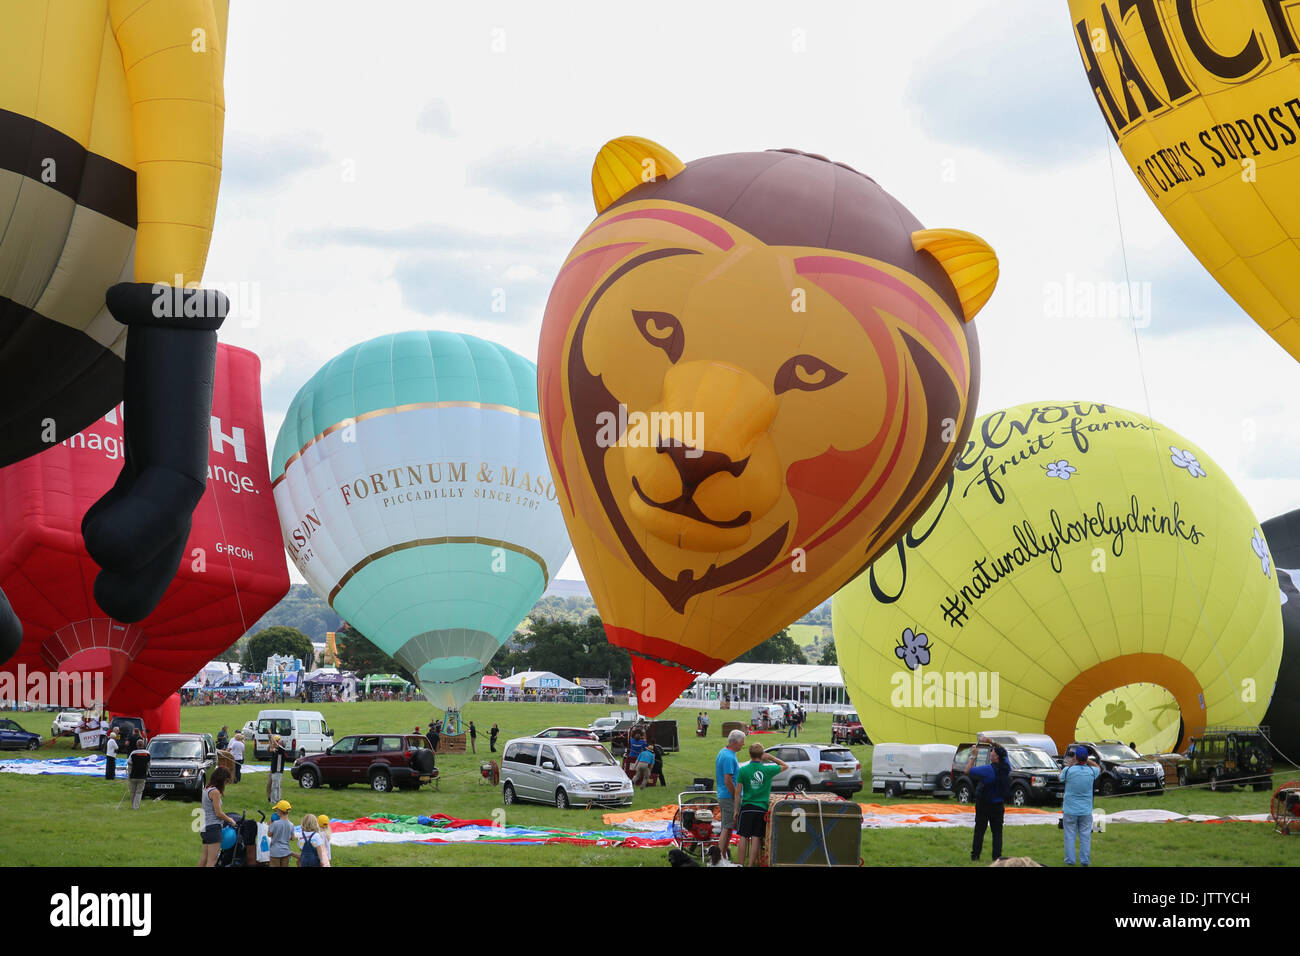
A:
(625, 163)
(970, 262)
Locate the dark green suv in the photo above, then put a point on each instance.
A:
(1227, 756)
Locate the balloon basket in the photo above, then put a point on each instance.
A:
(451, 745)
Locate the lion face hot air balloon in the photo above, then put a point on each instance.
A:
(753, 369)
(1088, 571)
(414, 497)
(1202, 98)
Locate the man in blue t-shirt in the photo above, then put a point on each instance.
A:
(1079, 776)
(726, 772)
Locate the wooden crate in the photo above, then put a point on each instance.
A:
(452, 745)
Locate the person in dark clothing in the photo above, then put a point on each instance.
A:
(137, 771)
(223, 737)
(435, 734)
(659, 765)
(473, 738)
(492, 738)
(993, 787)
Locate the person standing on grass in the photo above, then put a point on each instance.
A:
(704, 724)
(110, 757)
(755, 779)
(281, 832)
(993, 787)
(237, 751)
(223, 737)
(645, 764)
(473, 738)
(312, 844)
(213, 817)
(327, 848)
(1079, 776)
(725, 769)
(276, 775)
(137, 771)
(659, 764)
(492, 738)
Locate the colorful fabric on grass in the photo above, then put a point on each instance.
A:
(441, 828)
(91, 765)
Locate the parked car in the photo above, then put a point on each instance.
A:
(1008, 737)
(383, 761)
(897, 769)
(13, 737)
(1227, 756)
(774, 714)
(180, 764)
(301, 732)
(1123, 770)
(815, 767)
(1035, 776)
(576, 733)
(64, 721)
(846, 728)
(562, 772)
(603, 727)
(127, 728)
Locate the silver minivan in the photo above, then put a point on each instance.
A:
(562, 772)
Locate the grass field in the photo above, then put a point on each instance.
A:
(53, 821)
(805, 635)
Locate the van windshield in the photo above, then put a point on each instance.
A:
(575, 756)
(1031, 758)
(275, 725)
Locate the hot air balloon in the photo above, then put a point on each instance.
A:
(753, 372)
(111, 115)
(1201, 98)
(233, 572)
(414, 497)
(1086, 570)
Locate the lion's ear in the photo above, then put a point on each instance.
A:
(970, 262)
(625, 163)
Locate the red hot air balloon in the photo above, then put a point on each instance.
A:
(233, 570)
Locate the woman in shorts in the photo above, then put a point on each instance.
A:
(214, 817)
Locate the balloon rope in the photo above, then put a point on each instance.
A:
(1155, 444)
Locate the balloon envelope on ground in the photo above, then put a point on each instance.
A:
(414, 496)
(1085, 562)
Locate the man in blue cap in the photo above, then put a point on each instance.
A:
(1079, 776)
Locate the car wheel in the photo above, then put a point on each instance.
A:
(1108, 786)
(1019, 795)
(893, 790)
(309, 779)
(799, 785)
(944, 782)
(1260, 785)
(33, 744)
(964, 793)
(1182, 777)
(381, 782)
(561, 799)
(507, 794)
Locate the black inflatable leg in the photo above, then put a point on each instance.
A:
(137, 531)
(11, 631)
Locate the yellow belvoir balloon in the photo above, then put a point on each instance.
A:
(1079, 549)
(1203, 97)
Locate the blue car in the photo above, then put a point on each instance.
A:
(13, 737)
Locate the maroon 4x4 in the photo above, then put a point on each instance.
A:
(383, 761)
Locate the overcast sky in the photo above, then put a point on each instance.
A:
(388, 165)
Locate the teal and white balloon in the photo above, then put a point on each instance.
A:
(415, 497)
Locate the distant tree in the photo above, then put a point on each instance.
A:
(829, 655)
(359, 655)
(304, 609)
(565, 647)
(276, 640)
(780, 648)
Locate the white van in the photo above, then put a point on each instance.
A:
(911, 768)
(301, 732)
(1005, 737)
(562, 772)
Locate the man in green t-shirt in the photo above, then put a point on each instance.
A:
(755, 780)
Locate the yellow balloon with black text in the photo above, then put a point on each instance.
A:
(1203, 97)
(1088, 574)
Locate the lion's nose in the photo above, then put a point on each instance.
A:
(730, 410)
(693, 465)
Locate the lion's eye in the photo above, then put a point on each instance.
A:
(662, 330)
(806, 373)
